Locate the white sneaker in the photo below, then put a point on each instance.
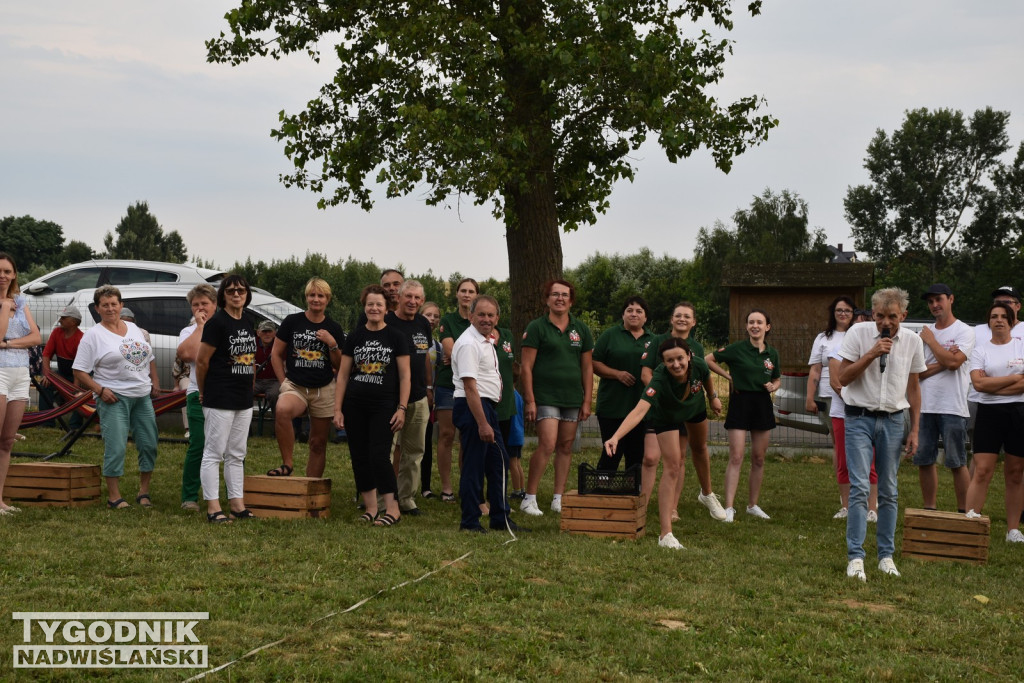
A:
(669, 541)
(855, 570)
(530, 508)
(872, 517)
(756, 511)
(841, 514)
(971, 514)
(1014, 536)
(887, 566)
(556, 505)
(710, 501)
(730, 515)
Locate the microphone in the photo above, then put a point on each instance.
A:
(884, 359)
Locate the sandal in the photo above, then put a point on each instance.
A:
(119, 504)
(387, 520)
(366, 517)
(218, 517)
(144, 497)
(447, 497)
(428, 494)
(282, 471)
(245, 513)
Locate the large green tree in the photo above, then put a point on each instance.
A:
(775, 229)
(928, 181)
(140, 236)
(31, 242)
(532, 106)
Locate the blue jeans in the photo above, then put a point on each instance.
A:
(878, 437)
(953, 429)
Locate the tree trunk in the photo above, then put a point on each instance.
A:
(534, 250)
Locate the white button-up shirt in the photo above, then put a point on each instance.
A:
(473, 356)
(875, 390)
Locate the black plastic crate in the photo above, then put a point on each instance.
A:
(593, 481)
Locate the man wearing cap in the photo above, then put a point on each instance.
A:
(63, 343)
(880, 369)
(1004, 295)
(265, 382)
(947, 346)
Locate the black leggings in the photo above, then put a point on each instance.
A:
(368, 427)
(631, 445)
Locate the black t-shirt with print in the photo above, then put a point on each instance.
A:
(228, 384)
(374, 375)
(417, 332)
(308, 360)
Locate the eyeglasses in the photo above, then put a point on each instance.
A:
(235, 290)
(1005, 302)
(559, 295)
(844, 311)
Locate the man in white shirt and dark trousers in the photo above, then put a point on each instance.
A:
(880, 368)
(477, 392)
(947, 346)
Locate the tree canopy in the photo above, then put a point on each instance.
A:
(140, 236)
(531, 106)
(928, 181)
(31, 242)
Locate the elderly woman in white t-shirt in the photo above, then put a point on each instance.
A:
(117, 364)
(997, 373)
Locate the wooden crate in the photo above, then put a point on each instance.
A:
(288, 497)
(604, 516)
(945, 536)
(52, 484)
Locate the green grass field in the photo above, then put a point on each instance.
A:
(749, 601)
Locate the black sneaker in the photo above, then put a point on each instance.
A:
(512, 526)
(473, 529)
(415, 512)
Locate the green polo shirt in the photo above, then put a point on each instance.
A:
(557, 375)
(700, 389)
(505, 351)
(618, 349)
(750, 369)
(665, 395)
(452, 326)
(651, 359)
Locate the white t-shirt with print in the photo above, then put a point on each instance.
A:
(945, 392)
(999, 360)
(119, 363)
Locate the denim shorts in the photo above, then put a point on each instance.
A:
(444, 398)
(953, 429)
(560, 414)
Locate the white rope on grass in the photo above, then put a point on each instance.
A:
(352, 608)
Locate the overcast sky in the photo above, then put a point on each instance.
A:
(106, 103)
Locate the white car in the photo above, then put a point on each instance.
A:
(52, 292)
(163, 311)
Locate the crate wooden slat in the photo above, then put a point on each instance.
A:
(55, 484)
(945, 536)
(288, 497)
(603, 515)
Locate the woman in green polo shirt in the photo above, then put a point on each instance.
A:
(754, 374)
(617, 362)
(666, 404)
(684, 318)
(558, 381)
(451, 327)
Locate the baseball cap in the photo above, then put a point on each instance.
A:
(937, 288)
(71, 311)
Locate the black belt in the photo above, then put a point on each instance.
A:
(856, 411)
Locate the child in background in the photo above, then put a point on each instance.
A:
(514, 444)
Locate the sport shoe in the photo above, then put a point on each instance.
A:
(855, 570)
(971, 514)
(530, 508)
(756, 511)
(1014, 536)
(730, 515)
(887, 566)
(190, 506)
(556, 505)
(710, 501)
(517, 495)
(669, 541)
(872, 517)
(841, 514)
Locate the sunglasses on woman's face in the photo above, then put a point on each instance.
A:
(235, 290)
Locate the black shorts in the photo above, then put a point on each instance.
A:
(750, 411)
(998, 427)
